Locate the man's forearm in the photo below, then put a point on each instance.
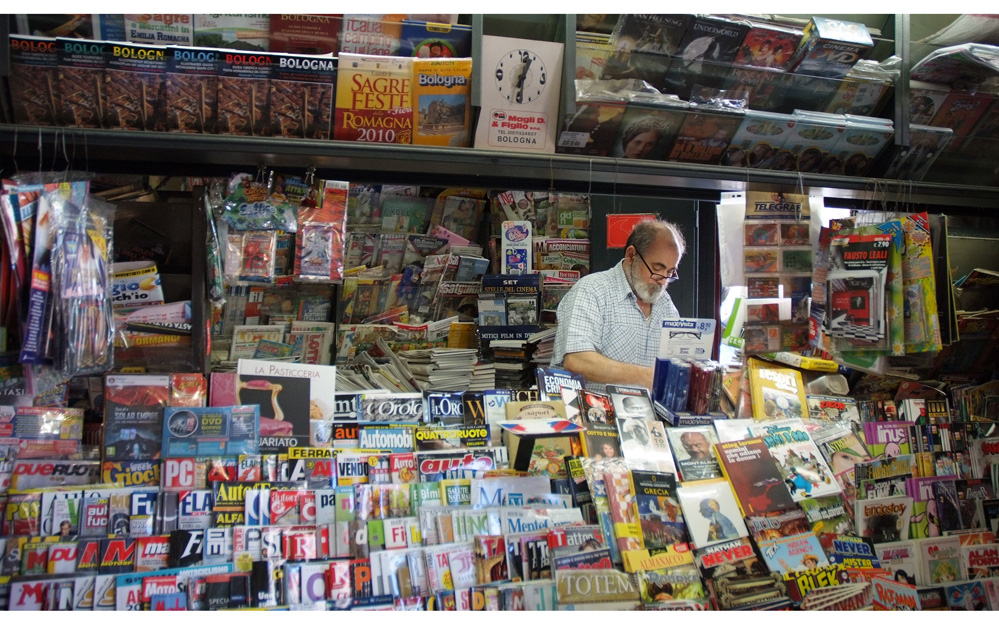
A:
(598, 368)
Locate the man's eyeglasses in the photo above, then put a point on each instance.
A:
(673, 276)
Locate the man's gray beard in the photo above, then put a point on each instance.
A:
(648, 293)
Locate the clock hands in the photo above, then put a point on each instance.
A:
(525, 68)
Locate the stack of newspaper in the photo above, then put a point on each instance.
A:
(544, 345)
(483, 376)
(364, 373)
(442, 368)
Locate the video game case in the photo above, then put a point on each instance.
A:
(133, 415)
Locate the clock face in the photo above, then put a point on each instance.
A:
(521, 76)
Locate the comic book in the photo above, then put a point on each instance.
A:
(772, 526)
(832, 408)
(711, 512)
(374, 99)
(793, 553)
(798, 458)
(693, 449)
(940, 561)
(984, 456)
(777, 392)
(980, 561)
(754, 476)
(884, 520)
(948, 510)
(889, 439)
(967, 596)
(677, 583)
(901, 559)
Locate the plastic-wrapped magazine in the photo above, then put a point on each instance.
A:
(969, 63)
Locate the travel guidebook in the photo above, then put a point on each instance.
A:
(658, 510)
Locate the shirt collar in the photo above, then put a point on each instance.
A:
(621, 286)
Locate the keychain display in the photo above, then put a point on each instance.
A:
(213, 264)
(251, 205)
(249, 256)
(319, 246)
(82, 278)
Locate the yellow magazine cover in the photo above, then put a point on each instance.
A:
(374, 99)
(442, 102)
(778, 392)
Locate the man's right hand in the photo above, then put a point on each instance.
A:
(595, 367)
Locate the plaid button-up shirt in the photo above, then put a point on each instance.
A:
(601, 314)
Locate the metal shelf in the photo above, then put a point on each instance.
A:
(113, 151)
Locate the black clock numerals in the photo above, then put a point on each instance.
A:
(499, 74)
